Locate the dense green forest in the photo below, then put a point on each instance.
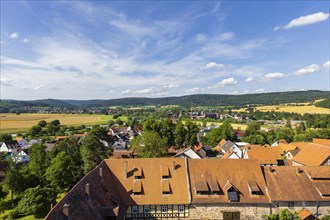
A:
(324, 104)
(274, 98)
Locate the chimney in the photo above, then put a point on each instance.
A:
(125, 169)
(87, 189)
(66, 209)
(101, 172)
(173, 166)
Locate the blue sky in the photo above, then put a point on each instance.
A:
(114, 49)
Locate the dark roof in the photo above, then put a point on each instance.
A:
(227, 146)
(12, 144)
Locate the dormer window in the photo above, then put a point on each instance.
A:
(166, 187)
(138, 173)
(165, 172)
(137, 188)
(215, 188)
(232, 192)
(254, 188)
(203, 188)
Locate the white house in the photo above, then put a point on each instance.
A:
(187, 153)
(21, 142)
(21, 157)
(10, 146)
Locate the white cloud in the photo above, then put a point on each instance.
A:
(307, 70)
(227, 82)
(14, 35)
(195, 90)
(26, 40)
(126, 92)
(213, 65)
(305, 20)
(260, 90)
(6, 82)
(250, 79)
(274, 76)
(327, 65)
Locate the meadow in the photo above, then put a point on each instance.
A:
(11, 123)
(311, 109)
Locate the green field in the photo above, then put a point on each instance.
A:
(12, 123)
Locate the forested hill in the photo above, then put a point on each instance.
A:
(274, 98)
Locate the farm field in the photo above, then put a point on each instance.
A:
(10, 123)
(295, 109)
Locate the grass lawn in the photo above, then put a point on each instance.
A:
(12, 123)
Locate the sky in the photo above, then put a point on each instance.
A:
(113, 49)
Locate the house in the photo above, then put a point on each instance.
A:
(291, 153)
(239, 134)
(321, 141)
(128, 189)
(180, 188)
(21, 141)
(281, 141)
(231, 155)
(267, 156)
(21, 157)
(221, 189)
(295, 188)
(225, 146)
(10, 147)
(187, 153)
(31, 142)
(313, 155)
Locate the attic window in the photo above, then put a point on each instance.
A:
(203, 188)
(138, 173)
(166, 187)
(232, 194)
(215, 188)
(165, 172)
(254, 188)
(137, 188)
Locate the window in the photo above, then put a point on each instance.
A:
(181, 208)
(164, 208)
(135, 209)
(303, 204)
(147, 209)
(290, 204)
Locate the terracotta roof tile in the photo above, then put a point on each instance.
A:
(265, 154)
(304, 213)
(206, 173)
(312, 155)
(321, 141)
(284, 183)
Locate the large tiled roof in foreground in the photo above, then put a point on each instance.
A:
(287, 183)
(219, 175)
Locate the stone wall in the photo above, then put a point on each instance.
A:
(254, 211)
(215, 211)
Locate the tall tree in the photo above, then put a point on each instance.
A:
(12, 181)
(92, 152)
(5, 137)
(191, 135)
(150, 144)
(62, 172)
(36, 200)
(180, 135)
(37, 161)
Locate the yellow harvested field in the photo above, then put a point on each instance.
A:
(26, 121)
(296, 109)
